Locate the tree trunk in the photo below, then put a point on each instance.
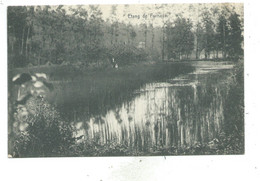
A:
(21, 51)
(26, 47)
(112, 36)
(39, 57)
(152, 39)
(163, 45)
(145, 38)
(224, 41)
(197, 50)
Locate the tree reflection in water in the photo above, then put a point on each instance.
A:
(179, 112)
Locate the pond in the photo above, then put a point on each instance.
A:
(176, 112)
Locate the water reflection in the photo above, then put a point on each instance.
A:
(181, 111)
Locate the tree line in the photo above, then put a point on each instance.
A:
(218, 33)
(57, 34)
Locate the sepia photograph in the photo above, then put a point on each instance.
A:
(125, 80)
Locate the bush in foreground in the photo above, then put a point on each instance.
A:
(46, 133)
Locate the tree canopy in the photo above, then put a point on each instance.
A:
(56, 34)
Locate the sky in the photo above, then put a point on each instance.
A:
(153, 13)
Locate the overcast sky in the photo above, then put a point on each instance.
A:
(152, 13)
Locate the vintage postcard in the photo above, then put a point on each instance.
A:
(125, 80)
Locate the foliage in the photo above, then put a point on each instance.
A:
(222, 33)
(46, 134)
(19, 31)
(234, 108)
(125, 54)
(180, 39)
(93, 148)
(41, 34)
(209, 41)
(224, 144)
(37, 127)
(235, 37)
(199, 39)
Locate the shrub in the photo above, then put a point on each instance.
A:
(127, 54)
(46, 134)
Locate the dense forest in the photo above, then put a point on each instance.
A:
(80, 34)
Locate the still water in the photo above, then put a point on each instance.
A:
(180, 111)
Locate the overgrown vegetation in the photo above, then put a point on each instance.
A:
(40, 131)
(234, 108)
